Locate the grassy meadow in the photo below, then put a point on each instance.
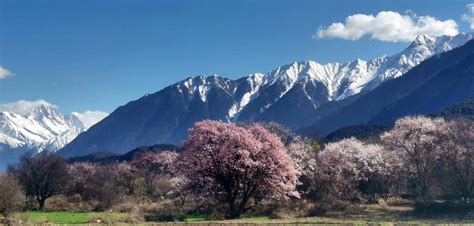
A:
(360, 215)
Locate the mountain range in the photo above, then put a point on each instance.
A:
(41, 128)
(295, 95)
(37, 127)
(438, 82)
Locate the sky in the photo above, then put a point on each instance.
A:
(83, 55)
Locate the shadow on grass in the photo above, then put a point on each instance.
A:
(190, 218)
(458, 210)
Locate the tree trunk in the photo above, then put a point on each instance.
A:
(41, 202)
(235, 211)
(232, 211)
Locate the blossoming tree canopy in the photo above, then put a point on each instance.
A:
(234, 164)
(431, 147)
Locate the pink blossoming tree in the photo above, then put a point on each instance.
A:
(417, 142)
(343, 165)
(433, 148)
(153, 167)
(457, 158)
(234, 164)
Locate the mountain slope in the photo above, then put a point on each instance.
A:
(463, 109)
(108, 157)
(294, 95)
(438, 82)
(452, 85)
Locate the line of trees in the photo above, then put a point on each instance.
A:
(422, 157)
(240, 166)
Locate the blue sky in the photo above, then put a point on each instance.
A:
(97, 55)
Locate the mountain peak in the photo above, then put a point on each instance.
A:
(424, 40)
(24, 107)
(201, 85)
(43, 110)
(36, 125)
(441, 43)
(38, 128)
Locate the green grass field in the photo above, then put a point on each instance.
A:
(37, 217)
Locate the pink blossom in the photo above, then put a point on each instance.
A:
(233, 164)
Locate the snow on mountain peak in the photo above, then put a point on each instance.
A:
(37, 125)
(199, 85)
(254, 82)
(422, 48)
(424, 40)
(343, 80)
(24, 107)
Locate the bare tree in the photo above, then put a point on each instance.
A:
(96, 183)
(42, 175)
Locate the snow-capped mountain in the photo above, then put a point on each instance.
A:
(343, 80)
(438, 82)
(34, 126)
(43, 127)
(422, 48)
(321, 83)
(293, 95)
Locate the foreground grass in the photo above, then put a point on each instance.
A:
(38, 217)
(201, 218)
(363, 215)
(337, 221)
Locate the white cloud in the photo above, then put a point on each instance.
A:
(89, 118)
(5, 73)
(469, 16)
(22, 107)
(388, 26)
